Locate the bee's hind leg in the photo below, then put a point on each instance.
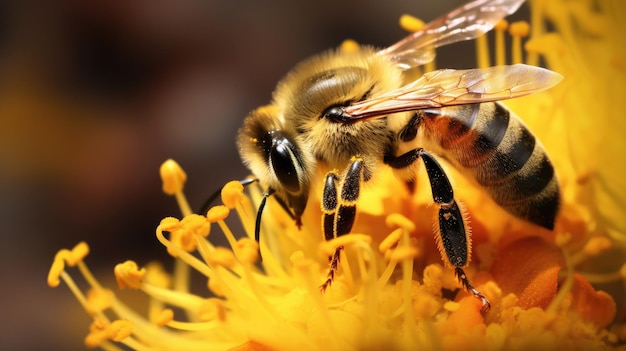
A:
(339, 210)
(453, 239)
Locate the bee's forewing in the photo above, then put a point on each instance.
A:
(464, 23)
(448, 87)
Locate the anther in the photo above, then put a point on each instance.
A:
(63, 257)
(223, 257)
(411, 24)
(232, 194)
(162, 318)
(128, 275)
(349, 46)
(99, 300)
(519, 29)
(173, 177)
(390, 240)
(396, 220)
(217, 213)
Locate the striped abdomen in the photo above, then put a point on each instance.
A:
(490, 144)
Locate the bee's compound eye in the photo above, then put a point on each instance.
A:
(285, 161)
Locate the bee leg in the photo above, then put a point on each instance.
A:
(453, 240)
(329, 210)
(339, 213)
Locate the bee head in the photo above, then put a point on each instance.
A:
(273, 153)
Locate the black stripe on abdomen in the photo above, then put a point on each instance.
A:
(501, 154)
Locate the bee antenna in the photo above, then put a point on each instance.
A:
(259, 213)
(211, 199)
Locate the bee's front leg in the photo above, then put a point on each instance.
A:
(339, 212)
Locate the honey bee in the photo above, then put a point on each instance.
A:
(354, 112)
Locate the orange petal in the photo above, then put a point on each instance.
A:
(594, 306)
(529, 268)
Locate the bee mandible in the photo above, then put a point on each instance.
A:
(354, 112)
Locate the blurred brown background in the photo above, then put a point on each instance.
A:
(94, 95)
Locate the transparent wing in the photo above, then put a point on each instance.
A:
(464, 23)
(448, 87)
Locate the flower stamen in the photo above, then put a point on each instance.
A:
(278, 305)
(518, 30)
(500, 30)
(173, 178)
(413, 24)
(592, 248)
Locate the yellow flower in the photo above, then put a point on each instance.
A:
(392, 291)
